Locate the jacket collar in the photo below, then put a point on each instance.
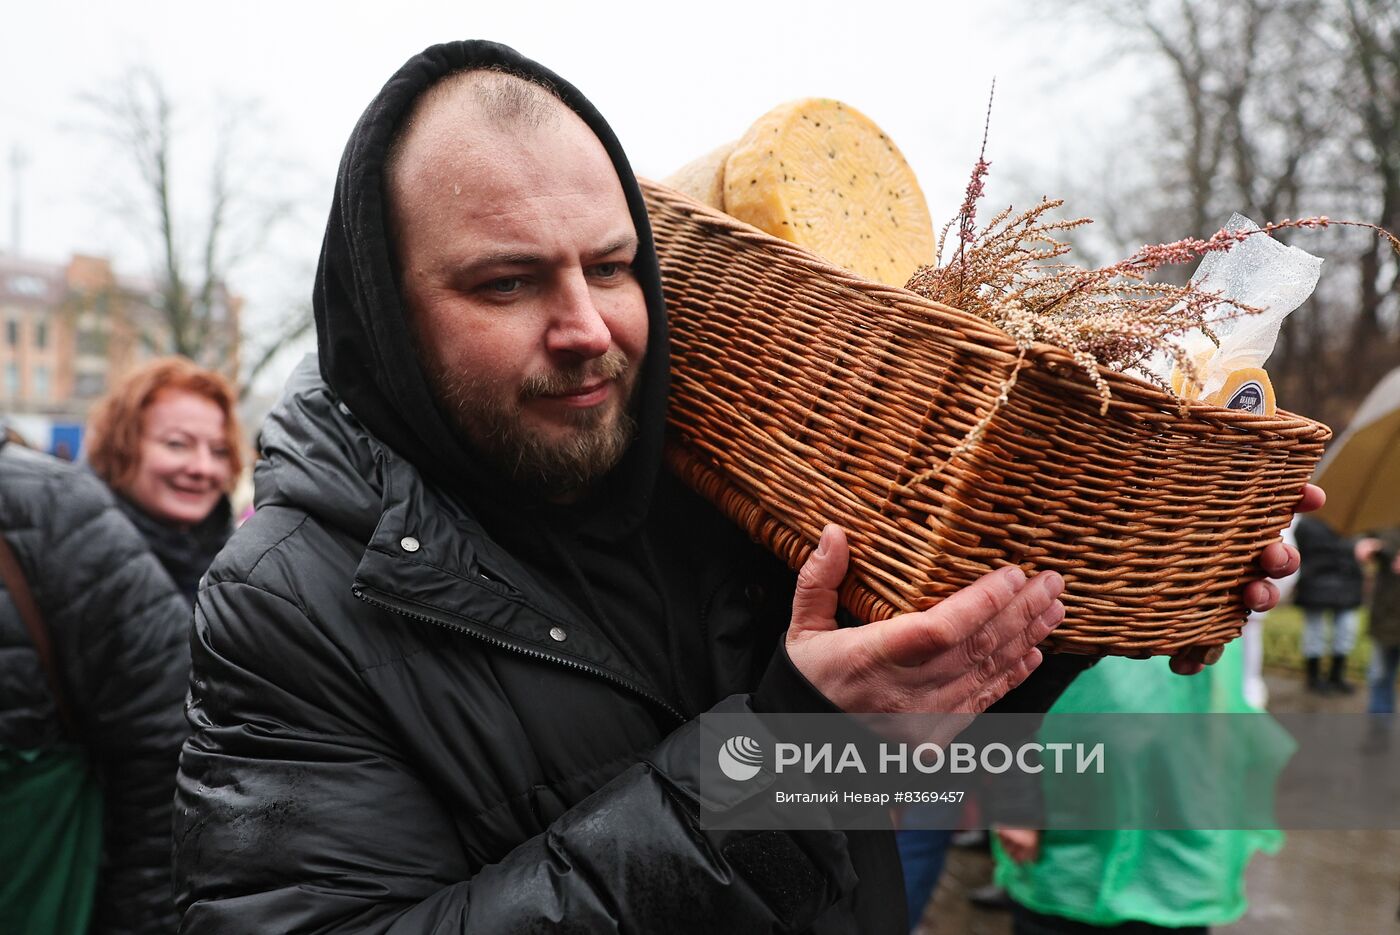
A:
(429, 558)
(426, 555)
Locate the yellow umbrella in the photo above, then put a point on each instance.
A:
(1361, 472)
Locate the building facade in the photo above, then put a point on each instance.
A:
(69, 331)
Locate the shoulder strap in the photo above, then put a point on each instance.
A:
(23, 599)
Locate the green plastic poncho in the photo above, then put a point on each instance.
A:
(1166, 878)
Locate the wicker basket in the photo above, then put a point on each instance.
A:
(802, 394)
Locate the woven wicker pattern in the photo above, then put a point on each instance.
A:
(802, 394)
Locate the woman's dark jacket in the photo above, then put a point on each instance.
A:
(185, 554)
(1329, 577)
(120, 637)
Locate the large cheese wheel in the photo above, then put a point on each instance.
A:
(821, 174)
(703, 178)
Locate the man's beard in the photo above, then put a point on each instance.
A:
(489, 420)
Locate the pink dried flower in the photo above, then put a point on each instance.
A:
(967, 214)
(967, 233)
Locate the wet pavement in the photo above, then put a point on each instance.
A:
(1320, 883)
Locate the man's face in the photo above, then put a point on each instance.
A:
(515, 255)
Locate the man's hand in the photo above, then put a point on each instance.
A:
(1277, 561)
(1021, 844)
(957, 657)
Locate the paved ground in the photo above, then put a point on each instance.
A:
(1320, 883)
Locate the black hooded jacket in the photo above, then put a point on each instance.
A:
(185, 554)
(422, 705)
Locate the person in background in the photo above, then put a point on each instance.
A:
(1128, 880)
(91, 724)
(1384, 550)
(1329, 583)
(922, 853)
(166, 439)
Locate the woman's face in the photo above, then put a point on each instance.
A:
(184, 466)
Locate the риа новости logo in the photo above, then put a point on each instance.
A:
(740, 758)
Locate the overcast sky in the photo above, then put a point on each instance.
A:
(673, 85)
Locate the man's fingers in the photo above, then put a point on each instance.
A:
(1185, 666)
(1022, 624)
(1313, 498)
(1042, 626)
(1279, 560)
(814, 602)
(1260, 596)
(912, 639)
(1017, 674)
(1193, 659)
(993, 643)
(991, 677)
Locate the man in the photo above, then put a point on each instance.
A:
(442, 677)
(91, 724)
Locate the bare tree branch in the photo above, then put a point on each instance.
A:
(1280, 108)
(293, 329)
(196, 262)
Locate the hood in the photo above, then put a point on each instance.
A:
(365, 350)
(595, 557)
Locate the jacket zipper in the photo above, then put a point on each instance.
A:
(636, 689)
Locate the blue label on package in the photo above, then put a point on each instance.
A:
(1249, 397)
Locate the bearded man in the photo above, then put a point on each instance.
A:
(440, 674)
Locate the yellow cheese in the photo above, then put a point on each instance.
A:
(1247, 388)
(821, 174)
(1191, 390)
(703, 179)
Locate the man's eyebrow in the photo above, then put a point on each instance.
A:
(627, 241)
(506, 258)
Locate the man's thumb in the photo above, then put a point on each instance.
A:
(814, 601)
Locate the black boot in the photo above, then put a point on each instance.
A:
(1338, 682)
(1314, 671)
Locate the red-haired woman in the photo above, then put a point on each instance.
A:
(166, 439)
